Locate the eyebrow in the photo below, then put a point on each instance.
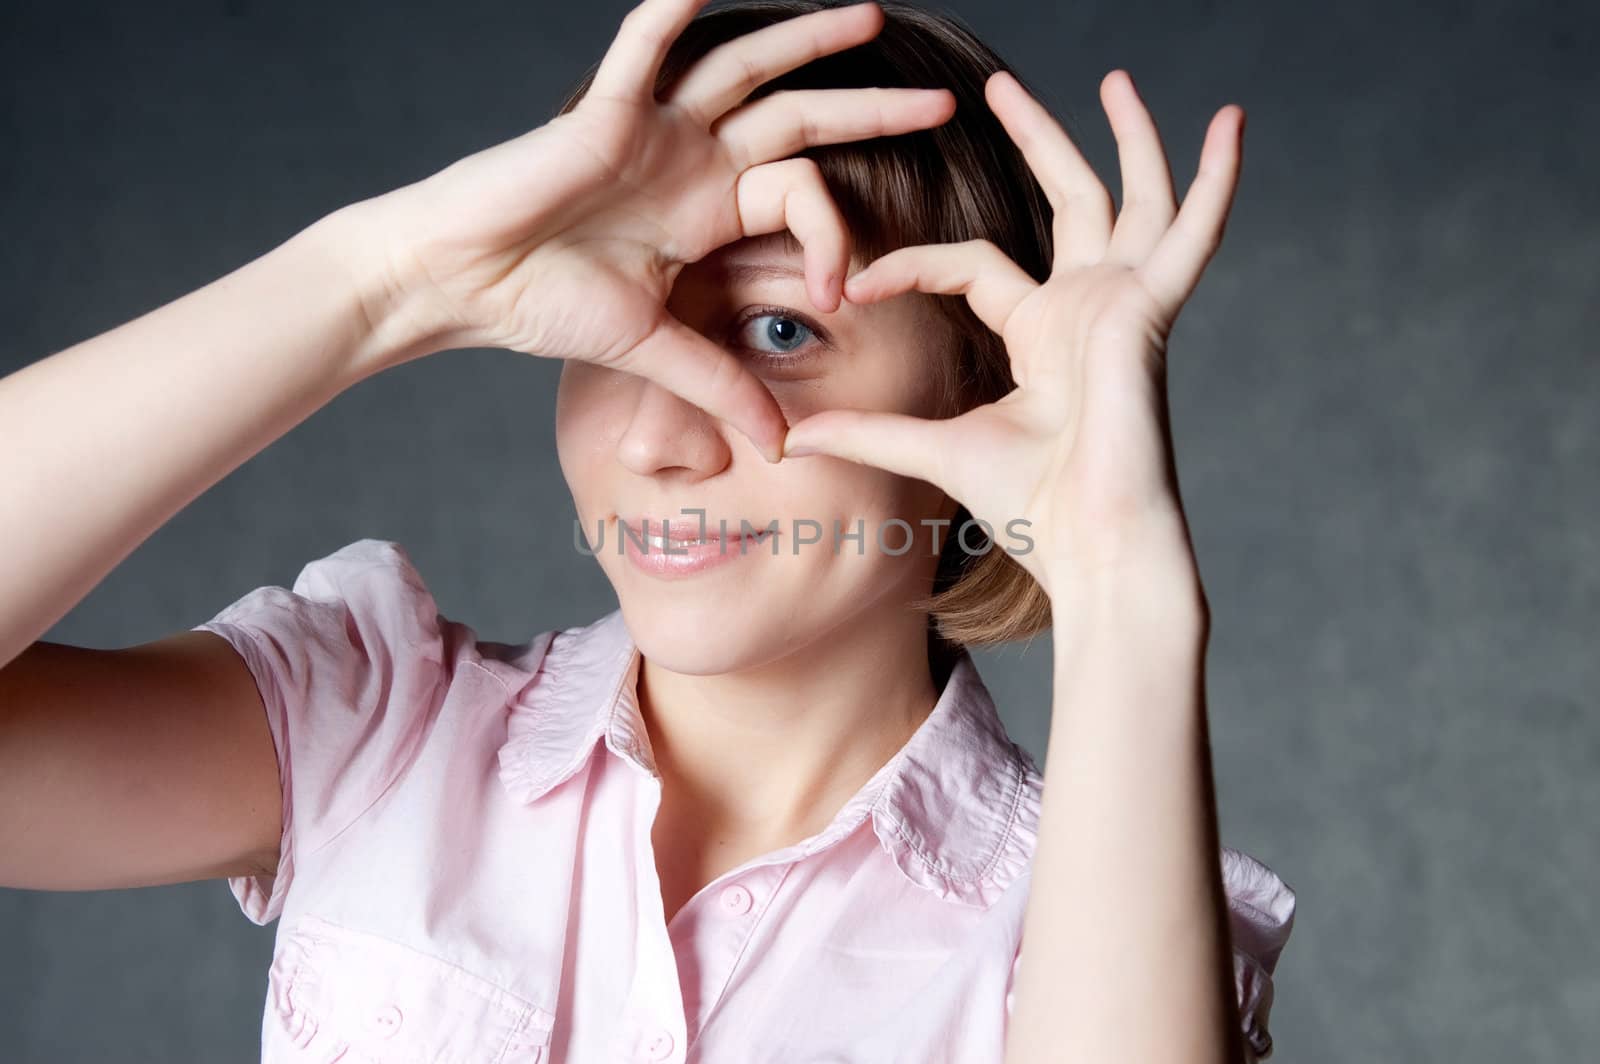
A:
(761, 271)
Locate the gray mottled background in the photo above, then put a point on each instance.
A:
(1384, 394)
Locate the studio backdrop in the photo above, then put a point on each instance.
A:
(1384, 394)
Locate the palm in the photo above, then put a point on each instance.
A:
(659, 192)
(1081, 449)
(1077, 347)
(656, 190)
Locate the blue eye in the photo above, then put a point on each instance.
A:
(774, 332)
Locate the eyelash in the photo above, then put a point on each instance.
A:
(784, 359)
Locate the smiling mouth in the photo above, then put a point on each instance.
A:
(661, 534)
(662, 542)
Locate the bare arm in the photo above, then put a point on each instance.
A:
(107, 440)
(133, 767)
(153, 763)
(1127, 919)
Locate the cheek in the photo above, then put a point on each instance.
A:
(826, 490)
(591, 412)
(886, 377)
(880, 373)
(799, 399)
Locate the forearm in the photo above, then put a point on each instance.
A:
(101, 443)
(1125, 942)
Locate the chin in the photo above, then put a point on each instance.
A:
(745, 617)
(700, 629)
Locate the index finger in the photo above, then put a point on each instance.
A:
(684, 362)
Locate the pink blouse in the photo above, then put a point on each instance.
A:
(466, 869)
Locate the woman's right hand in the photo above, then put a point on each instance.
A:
(565, 242)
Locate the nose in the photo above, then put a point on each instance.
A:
(667, 433)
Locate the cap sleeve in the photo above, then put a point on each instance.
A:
(349, 666)
(1260, 917)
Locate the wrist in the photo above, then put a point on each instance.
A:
(1156, 592)
(353, 239)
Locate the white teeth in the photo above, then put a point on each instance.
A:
(661, 542)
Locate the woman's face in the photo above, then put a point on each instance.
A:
(635, 454)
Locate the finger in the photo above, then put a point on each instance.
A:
(1148, 204)
(687, 364)
(731, 71)
(631, 65)
(992, 283)
(900, 443)
(779, 125)
(1082, 206)
(1173, 268)
(791, 194)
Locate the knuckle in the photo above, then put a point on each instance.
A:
(806, 169)
(750, 74)
(810, 190)
(810, 132)
(630, 23)
(639, 24)
(724, 380)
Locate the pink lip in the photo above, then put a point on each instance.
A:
(681, 557)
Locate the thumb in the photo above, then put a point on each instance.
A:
(910, 446)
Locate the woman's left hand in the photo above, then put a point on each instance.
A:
(1082, 448)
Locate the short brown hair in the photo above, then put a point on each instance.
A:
(961, 180)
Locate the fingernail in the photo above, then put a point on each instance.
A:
(798, 450)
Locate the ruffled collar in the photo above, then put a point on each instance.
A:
(956, 808)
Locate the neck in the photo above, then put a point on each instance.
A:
(776, 750)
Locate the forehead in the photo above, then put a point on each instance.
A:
(782, 247)
(771, 256)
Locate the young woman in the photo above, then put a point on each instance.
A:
(863, 369)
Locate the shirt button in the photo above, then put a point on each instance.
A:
(386, 1021)
(660, 1045)
(735, 900)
